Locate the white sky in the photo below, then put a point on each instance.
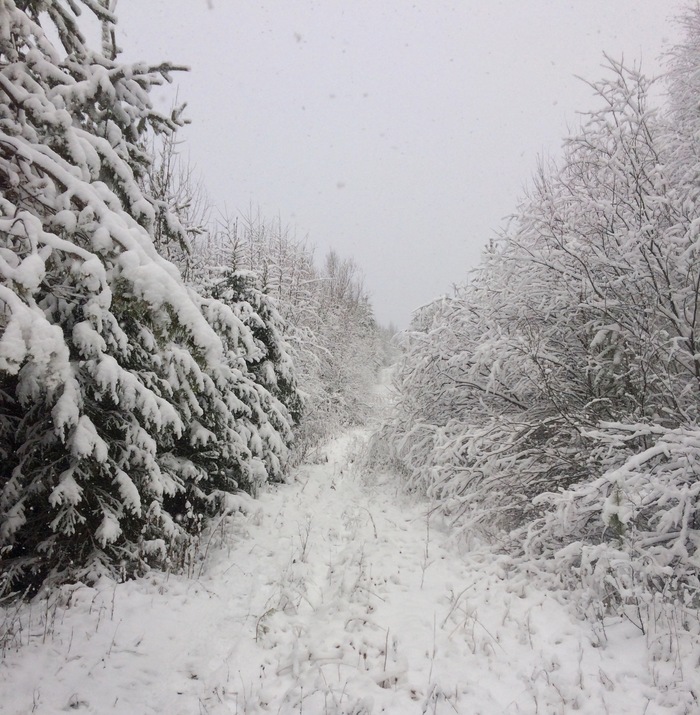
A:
(399, 133)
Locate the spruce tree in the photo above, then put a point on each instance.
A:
(272, 367)
(120, 407)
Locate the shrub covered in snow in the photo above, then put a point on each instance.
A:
(553, 402)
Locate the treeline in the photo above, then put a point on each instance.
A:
(152, 367)
(331, 335)
(551, 404)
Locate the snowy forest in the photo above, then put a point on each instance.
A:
(551, 404)
(165, 365)
(140, 395)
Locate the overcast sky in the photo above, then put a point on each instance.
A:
(399, 133)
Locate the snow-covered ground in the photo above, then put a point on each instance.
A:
(333, 594)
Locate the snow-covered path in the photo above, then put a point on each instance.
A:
(334, 594)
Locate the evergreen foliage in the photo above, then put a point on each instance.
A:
(320, 319)
(128, 411)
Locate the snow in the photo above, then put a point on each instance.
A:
(335, 593)
(85, 441)
(67, 491)
(109, 530)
